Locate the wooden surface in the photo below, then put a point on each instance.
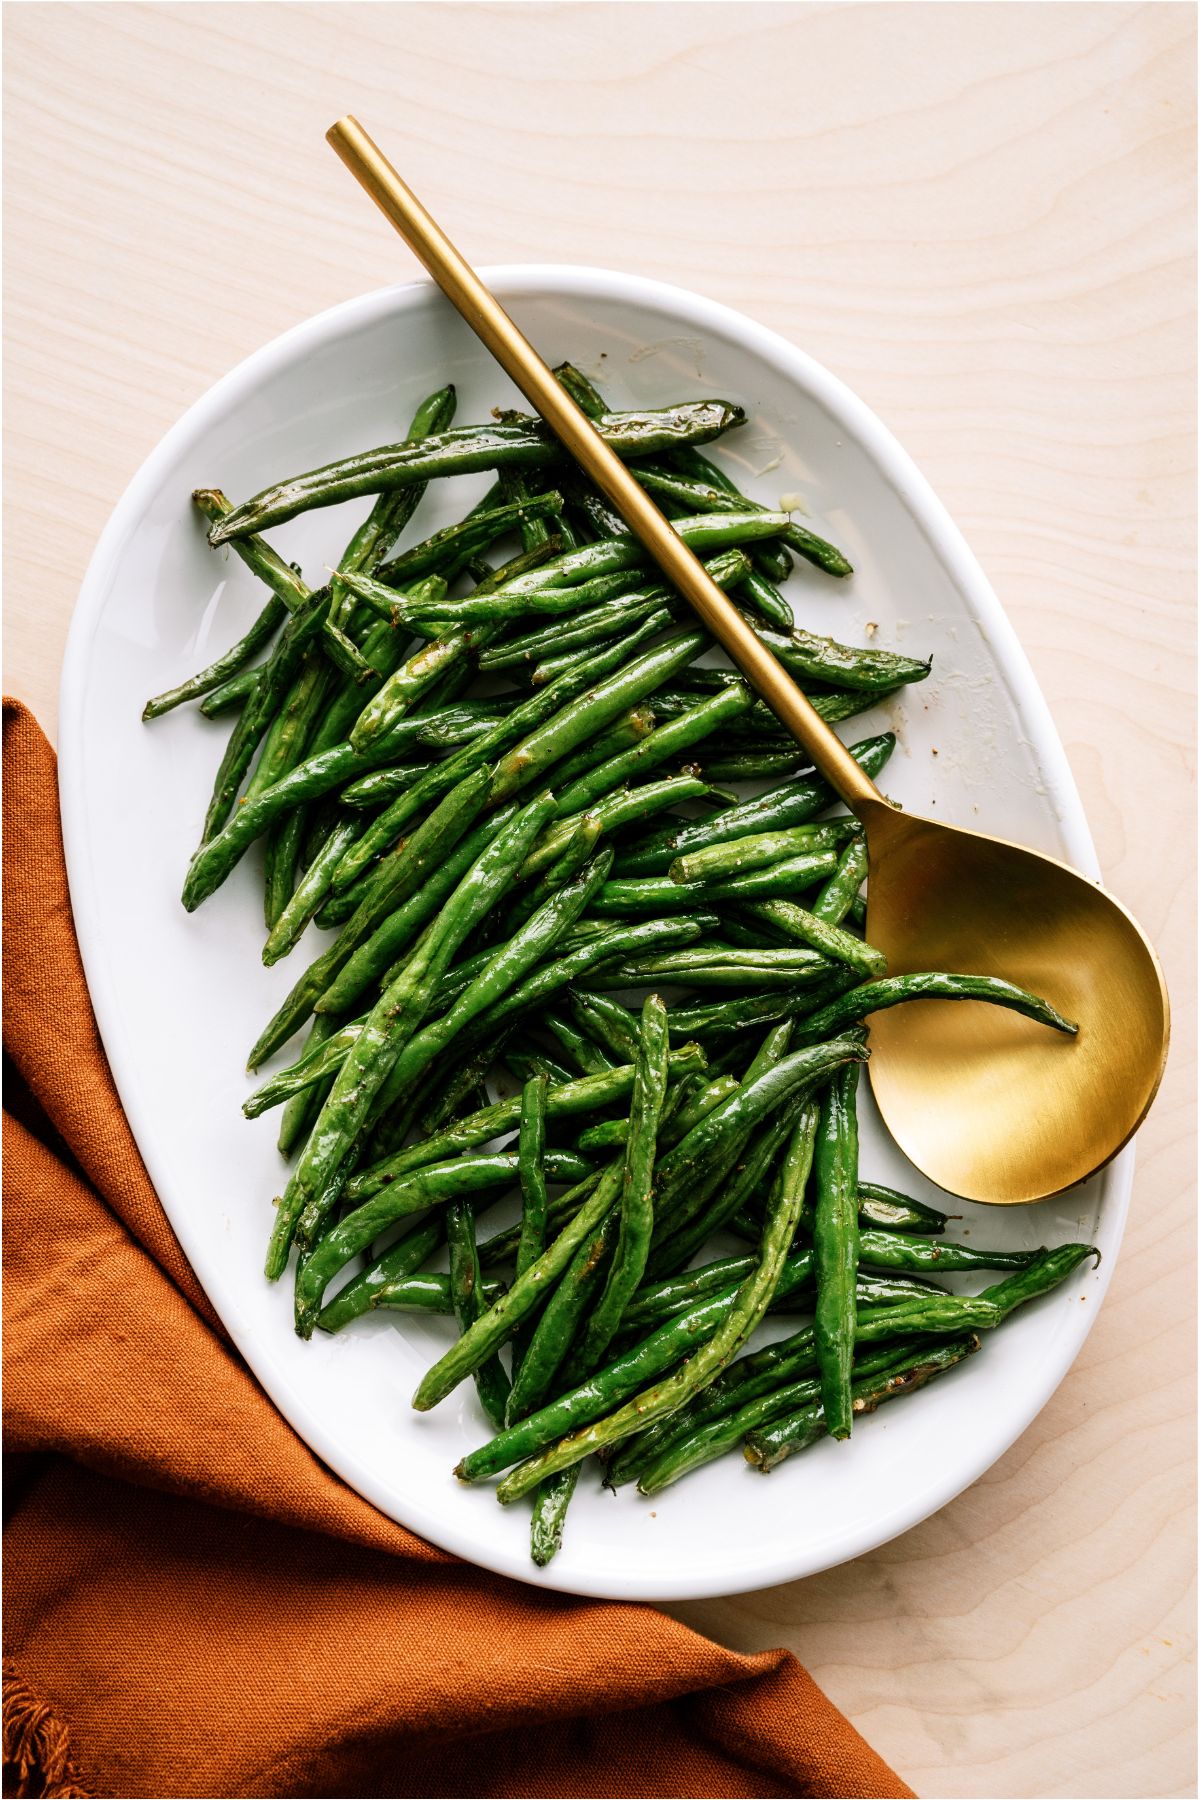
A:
(981, 217)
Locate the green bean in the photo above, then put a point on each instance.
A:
(979, 1312)
(613, 812)
(637, 626)
(427, 1292)
(659, 1300)
(749, 1378)
(525, 1294)
(282, 579)
(805, 927)
(302, 1107)
(531, 1154)
(661, 743)
(275, 679)
(541, 708)
(385, 1130)
(549, 1511)
(506, 966)
(345, 654)
(895, 990)
(394, 875)
(637, 724)
(486, 883)
(406, 685)
(835, 898)
(475, 532)
(742, 935)
(707, 1442)
(592, 507)
(797, 537)
(391, 512)
(543, 982)
(227, 681)
(767, 1447)
(322, 1061)
(637, 1208)
(761, 1373)
(395, 1015)
(726, 1016)
(677, 494)
(658, 893)
(468, 1082)
(501, 1247)
(421, 1238)
(310, 892)
(759, 850)
(216, 858)
(603, 702)
(525, 1060)
(804, 654)
(626, 1375)
(795, 964)
(465, 450)
(750, 1169)
(679, 1175)
(586, 627)
(514, 490)
(448, 728)
(750, 765)
(381, 786)
(583, 392)
(750, 1303)
(231, 695)
(642, 612)
(397, 1263)
(713, 969)
(793, 803)
(283, 748)
(836, 1245)
(349, 969)
(588, 1058)
(574, 851)
(698, 1104)
(573, 1297)
(392, 1022)
(871, 1289)
(892, 1211)
(609, 1023)
(716, 1174)
(609, 1134)
(466, 1287)
(435, 1185)
(444, 840)
(760, 592)
(617, 555)
(894, 1250)
(630, 639)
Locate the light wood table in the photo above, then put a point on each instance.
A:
(981, 217)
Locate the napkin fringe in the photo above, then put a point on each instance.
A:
(37, 1745)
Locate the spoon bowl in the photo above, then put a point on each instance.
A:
(990, 1105)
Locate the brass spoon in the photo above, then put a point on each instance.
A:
(988, 1104)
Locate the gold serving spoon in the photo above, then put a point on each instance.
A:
(987, 1103)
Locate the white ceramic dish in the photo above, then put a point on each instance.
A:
(179, 999)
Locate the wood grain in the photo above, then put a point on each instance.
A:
(981, 216)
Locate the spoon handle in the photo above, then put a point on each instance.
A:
(521, 362)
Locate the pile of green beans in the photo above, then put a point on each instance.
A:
(486, 761)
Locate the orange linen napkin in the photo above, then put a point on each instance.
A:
(195, 1605)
